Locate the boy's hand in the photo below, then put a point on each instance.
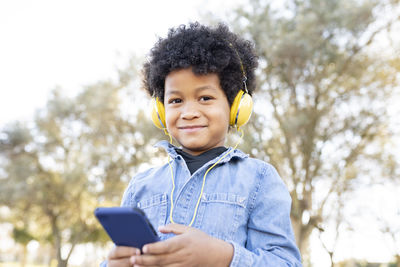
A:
(119, 256)
(190, 247)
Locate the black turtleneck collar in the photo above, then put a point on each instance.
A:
(195, 162)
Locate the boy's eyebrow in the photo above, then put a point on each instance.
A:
(198, 89)
(205, 87)
(173, 92)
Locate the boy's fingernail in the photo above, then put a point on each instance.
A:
(138, 252)
(145, 249)
(133, 259)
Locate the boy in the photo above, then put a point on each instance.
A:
(212, 205)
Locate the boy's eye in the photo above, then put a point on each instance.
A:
(205, 98)
(174, 101)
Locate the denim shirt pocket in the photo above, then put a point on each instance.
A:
(220, 214)
(155, 208)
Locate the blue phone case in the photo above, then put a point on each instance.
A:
(126, 226)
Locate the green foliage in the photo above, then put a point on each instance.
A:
(22, 236)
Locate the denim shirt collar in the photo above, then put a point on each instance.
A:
(170, 149)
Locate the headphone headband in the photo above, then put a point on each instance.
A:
(241, 67)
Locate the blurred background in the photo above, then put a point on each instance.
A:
(75, 126)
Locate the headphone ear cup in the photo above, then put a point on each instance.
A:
(158, 114)
(241, 109)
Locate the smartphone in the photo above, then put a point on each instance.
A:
(126, 226)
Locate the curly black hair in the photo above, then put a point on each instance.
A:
(206, 50)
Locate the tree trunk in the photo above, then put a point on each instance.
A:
(398, 260)
(331, 258)
(62, 263)
(302, 234)
(301, 241)
(24, 255)
(57, 242)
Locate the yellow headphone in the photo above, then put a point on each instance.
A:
(241, 107)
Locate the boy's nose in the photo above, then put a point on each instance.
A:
(189, 111)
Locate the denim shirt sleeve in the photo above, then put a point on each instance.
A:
(270, 240)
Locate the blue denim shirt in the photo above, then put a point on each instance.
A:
(245, 203)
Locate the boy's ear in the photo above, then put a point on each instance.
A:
(241, 109)
(158, 113)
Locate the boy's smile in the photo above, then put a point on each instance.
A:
(196, 110)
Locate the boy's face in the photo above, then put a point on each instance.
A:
(196, 110)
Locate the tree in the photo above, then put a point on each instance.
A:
(78, 153)
(321, 115)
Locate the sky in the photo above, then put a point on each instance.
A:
(48, 43)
